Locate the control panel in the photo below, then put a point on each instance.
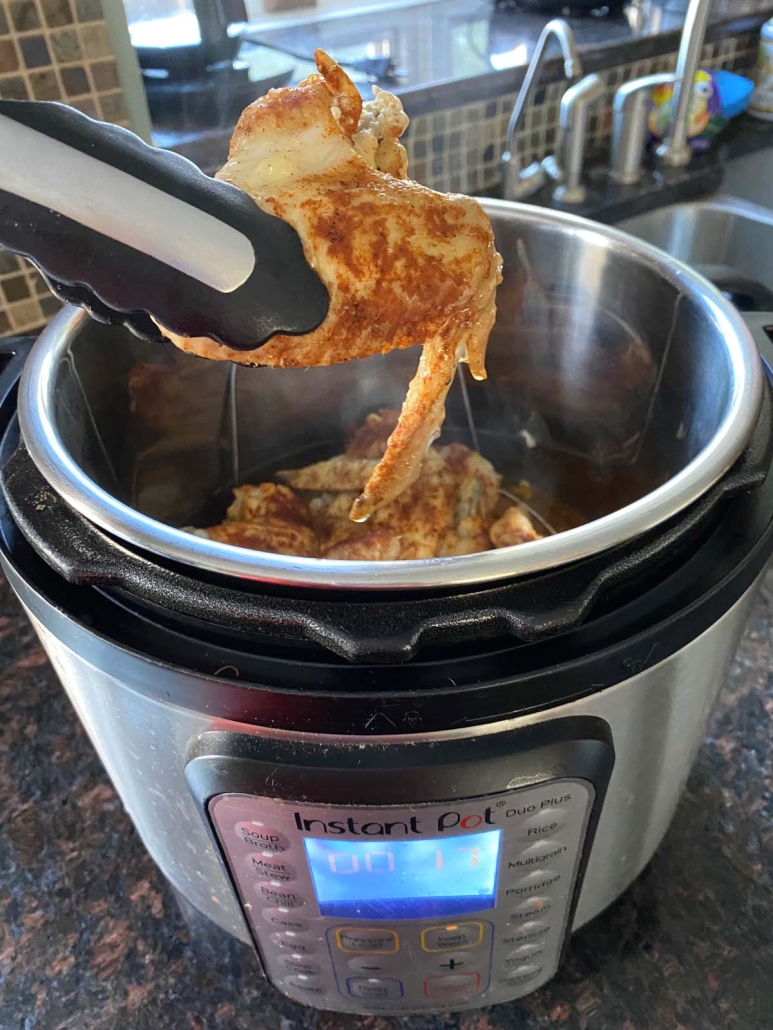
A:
(404, 909)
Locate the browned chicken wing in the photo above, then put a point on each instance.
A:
(403, 265)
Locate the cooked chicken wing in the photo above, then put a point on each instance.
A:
(453, 508)
(403, 265)
(514, 527)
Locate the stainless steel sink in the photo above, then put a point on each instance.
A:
(727, 239)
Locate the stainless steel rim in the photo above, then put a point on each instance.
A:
(46, 447)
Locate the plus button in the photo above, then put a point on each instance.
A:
(453, 963)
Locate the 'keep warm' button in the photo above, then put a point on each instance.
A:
(451, 936)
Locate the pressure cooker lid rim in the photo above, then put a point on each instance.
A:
(50, 455)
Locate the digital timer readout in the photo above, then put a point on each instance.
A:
(405, 879)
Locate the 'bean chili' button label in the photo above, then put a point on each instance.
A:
(279, 895)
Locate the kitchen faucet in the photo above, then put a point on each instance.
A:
(517, 181)
(675, 151)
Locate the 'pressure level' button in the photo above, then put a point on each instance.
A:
(351, 938)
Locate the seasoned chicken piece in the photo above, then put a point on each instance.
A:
(449, 510)
(470, 537)
(269, 534)
(370, 439)
(376, 545)
(341, 473)
(267, 500)
(478, 482)
(381, 124)
(514, 527)
(403, 265)
(330, 519)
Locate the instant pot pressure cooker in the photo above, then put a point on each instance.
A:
(405, 783)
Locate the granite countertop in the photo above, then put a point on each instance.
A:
(92, 937)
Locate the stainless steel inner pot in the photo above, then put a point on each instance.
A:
(621, 384)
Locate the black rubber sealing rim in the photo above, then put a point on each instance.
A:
(444, 693)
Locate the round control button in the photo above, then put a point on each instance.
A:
(535, 882)
(306, 986)
(267, 867)
(522, 973)
(454, 962)
(523, 953)
(538, 854)
(523, 933)
(292, 943)
(298, 963)
(278, 894)
(543, 824)
(283, 919)
(371, 965)
(260, 836)
(531, 908)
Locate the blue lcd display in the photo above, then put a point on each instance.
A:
(405, 879)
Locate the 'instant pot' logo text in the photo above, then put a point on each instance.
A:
(448, 821)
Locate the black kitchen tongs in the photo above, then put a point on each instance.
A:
(129, 232)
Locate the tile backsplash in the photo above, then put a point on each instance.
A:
(52, 50)
(459, 149)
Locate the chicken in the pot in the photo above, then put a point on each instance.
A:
(454, 507)
(403, 264)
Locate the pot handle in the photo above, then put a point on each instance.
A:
(760, 324)
(13, 354)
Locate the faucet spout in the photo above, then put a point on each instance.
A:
(675, 151)
(511, 162)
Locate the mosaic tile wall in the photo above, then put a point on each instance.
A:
(51, 50)
(460, 149)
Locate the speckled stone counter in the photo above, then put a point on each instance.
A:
(92, 938)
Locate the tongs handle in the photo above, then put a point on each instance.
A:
(131, 231)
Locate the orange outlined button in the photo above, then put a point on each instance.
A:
(374, 942)
(451, 936)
